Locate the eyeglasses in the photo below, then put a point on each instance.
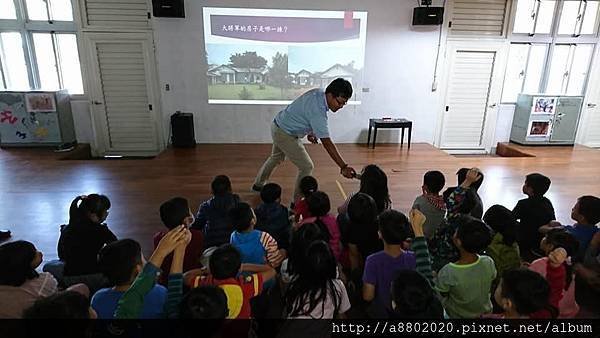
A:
(342, 103)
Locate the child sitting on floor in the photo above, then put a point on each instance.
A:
(319, 207)
(431, 203)
(255, 246)
(308, 185)
(394, 230)
(272, 217)
(532, 213)
(173, 213)
(121, 262)
(466, 283)
(212, 214)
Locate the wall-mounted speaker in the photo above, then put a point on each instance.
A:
(168, 8)
(428, 16)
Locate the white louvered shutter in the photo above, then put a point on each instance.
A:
(128, 108)
(478, 17)
(115, 14)
(467, 96)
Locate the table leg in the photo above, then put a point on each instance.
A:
(402, 138)
(409, 135)
(369, 136)
(374, 137)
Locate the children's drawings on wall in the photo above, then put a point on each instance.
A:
(6, 116)
(20, 125)
(40, 102)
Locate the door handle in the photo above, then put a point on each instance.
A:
(493, 105)
(591, 105)
(97, 103)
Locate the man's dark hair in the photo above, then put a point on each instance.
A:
(118, 259)
(340, 88)
(434, 181)
(270, 192)
(241, 216)
(225, 262)
(589, 207)
(394, 227)
(474, 235)
(462, 175)
(538, 183)
(174, 211)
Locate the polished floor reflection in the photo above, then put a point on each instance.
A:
(37, 188)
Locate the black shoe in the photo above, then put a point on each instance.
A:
(256, 188)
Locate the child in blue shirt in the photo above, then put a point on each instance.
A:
(121, 262)
(255, 246)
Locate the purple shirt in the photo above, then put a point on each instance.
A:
(380, 269)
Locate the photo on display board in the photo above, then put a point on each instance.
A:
(543, 105)
(40, 102)
(539, 129)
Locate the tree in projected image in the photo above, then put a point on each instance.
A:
(247, 60)
(278, 73)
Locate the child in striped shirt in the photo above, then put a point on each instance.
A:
(255, 246)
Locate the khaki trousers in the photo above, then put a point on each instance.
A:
(285, 145)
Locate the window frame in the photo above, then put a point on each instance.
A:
(26, 28)
(553, 39)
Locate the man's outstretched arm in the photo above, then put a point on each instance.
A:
(345, 170)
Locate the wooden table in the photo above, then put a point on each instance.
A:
(389, 123)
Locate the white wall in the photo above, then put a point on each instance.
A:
(398, 71)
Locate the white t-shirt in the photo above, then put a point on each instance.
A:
(326, 311)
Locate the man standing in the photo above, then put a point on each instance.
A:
(306, 116)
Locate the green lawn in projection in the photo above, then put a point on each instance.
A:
(251, 92)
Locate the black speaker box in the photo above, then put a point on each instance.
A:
(168, 8)
(182, 130)
(428, 16)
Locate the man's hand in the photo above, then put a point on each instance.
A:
(313, 139)
(348, 172)
(417, 219)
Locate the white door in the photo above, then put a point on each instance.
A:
(589, 126)
(473, 86)
(123, 92)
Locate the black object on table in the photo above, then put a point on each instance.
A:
(389, 123)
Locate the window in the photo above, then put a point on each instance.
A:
(552, 46)
(534, 16)
(38, 46)
(524, 70)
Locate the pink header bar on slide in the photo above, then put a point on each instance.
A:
(285, 29)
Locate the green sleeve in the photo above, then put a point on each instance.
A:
(131, 304)
(174, 295)
(419, 246)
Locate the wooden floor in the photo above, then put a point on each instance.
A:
(37, 188)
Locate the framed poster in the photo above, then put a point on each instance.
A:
(40, 102)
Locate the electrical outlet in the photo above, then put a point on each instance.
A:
(167, 87)
(366, 90)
